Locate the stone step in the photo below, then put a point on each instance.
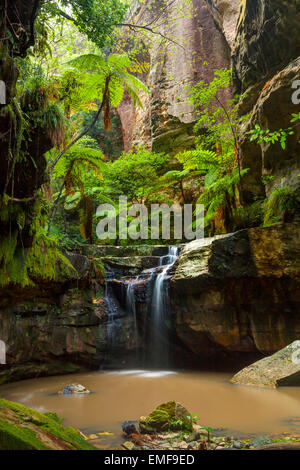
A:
(100, 251)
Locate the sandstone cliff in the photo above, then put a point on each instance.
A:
(240, 292)
(166, 122)
(266, 62)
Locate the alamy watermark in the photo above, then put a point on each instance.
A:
(2, 352)
(296, 94)
(136, 222)
(2, 92)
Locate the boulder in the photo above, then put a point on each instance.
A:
(128, 427)
(168, 416)
(280, 369)
(239, 293)
(74, 389)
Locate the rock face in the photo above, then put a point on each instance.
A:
(239, 293)
(226, 13)
(60, 327)
(266, 39)
(266, 63)
(280, 369)
(166, 123)
(272, 110)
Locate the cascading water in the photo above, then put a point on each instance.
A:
(159, 354)
(144, 302)
(131, 305)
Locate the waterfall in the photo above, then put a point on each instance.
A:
(131, 306)
(152, 327)
(159, 310)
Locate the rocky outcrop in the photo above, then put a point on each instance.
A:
(273, 110)
(266, 63)
(198, 49)
(265, 40)
(51, 328)
(280, 369)
(22, 428)
(226, 14)
(239, 293)
(61, 327)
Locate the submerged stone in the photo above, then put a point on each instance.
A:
(74, 389)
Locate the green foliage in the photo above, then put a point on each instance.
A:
(216, 156)
(95, 19)
(282, 205)
(281, 135)
(93, 69)
(136, 174)
(221, 194)
(218, 116)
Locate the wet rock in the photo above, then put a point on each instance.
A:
(280, 369)
(239, 293)
(193, 446)
(199, 431)
(74, 389)
(260, 441)
(129, 428)
(128, 445)
(237, 444)
(168, 416)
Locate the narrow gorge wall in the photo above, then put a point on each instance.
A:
(266, 62)
(166, 122)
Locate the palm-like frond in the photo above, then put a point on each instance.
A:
(88, 62)
(96, 69)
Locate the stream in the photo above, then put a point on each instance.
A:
(126, 395)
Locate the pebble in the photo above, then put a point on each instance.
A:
(237, 445)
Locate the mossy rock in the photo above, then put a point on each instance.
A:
(22, 428)
(168, 416)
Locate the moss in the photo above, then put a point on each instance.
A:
(168, 416)
(54, 416)
(42, 260)
(283, 205)
(20, 437)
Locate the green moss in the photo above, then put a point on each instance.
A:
(54, 416)
(20, 437)
(168, 416)
(42, 260)
(283, 205)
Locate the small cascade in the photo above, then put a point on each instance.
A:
(113, 308)
(141, 304)
(131, 305)
(159, 310)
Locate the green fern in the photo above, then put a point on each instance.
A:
(282, 205)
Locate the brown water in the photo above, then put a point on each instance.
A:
(126, 395)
